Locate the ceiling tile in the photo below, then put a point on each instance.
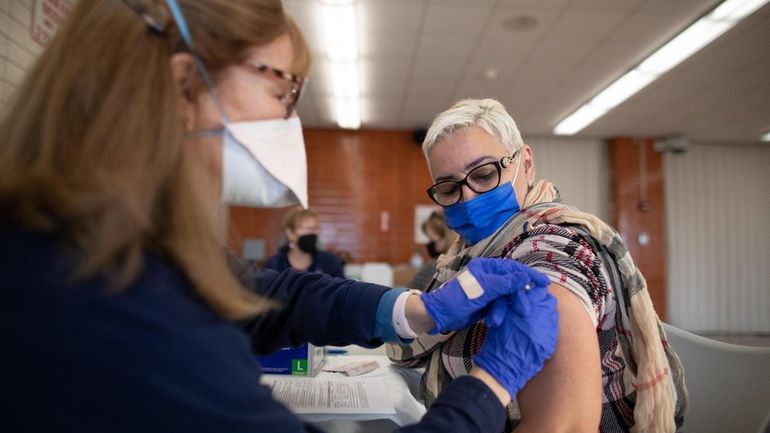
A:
(306, 110)
(692, 8)
(325, 111)
(453, 20)
(544, 78)
(381, 112)
(383, 78)
(495, 30)
(419, 111)
(605, 5)
(306, 13)
(554, 5)
(402, 19)
(455, 49)
(394, 48)
(651, 29)
(566, 54)
(501, 56)
(611, 60)
(477, 87)
(585, 26)
(460, 2)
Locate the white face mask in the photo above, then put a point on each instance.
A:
(264, 163)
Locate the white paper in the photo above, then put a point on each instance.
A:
(305, 395)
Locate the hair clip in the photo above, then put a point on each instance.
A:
(157, 18)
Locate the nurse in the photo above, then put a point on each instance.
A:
(117, 304)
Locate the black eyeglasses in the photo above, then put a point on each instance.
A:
(291, 98)
(480, 179)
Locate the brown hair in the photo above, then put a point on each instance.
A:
(92, 147)
(295, 215)
(437, 224)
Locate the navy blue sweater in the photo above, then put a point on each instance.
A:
(324, 262)
(76, 357)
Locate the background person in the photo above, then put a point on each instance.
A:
(440, 239)
(301, 228)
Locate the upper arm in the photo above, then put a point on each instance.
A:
(566, 395)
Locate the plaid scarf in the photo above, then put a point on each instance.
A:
(659, 384)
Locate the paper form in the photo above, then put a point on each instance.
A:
(320, 395)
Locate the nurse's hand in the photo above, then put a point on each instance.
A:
(516, 350)
(481, 290)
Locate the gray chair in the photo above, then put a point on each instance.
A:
(728, 384)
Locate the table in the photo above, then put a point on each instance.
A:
(402, 391)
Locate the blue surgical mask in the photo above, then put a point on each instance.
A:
(481, 216)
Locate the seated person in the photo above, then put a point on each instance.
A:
(612, 371)
(301, 229)
(440, 239)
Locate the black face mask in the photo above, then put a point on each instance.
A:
(307, 243)
(432, 251)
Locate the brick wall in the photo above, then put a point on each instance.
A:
(364, 185)
(638, 203)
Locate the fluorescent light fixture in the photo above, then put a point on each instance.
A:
(621, 89)
(736, 9)
(684, 45)
(345, 80)
(339, 23)
(341, 32)
(765, 136)
(674, 52)
(579, 119)
(348, 113)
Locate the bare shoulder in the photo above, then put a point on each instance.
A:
(567, 394)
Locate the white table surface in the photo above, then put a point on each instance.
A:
(403, 387)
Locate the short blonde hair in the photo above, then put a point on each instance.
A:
(295, 215)
(488, 114)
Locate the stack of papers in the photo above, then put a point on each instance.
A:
(383, 393)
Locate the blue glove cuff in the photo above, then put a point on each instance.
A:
(383, 322)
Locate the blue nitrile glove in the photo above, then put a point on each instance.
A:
(465, 299)
(516, 350)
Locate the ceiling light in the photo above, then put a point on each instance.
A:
(675, 51)
(341, 32)
(736, 10)
(491, 74)
(765, 136)
(345, 80)
(339, 23)
(348, 113)
(621, 89)
(578, 120)
(684, 45)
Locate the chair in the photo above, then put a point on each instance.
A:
(728, 384)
